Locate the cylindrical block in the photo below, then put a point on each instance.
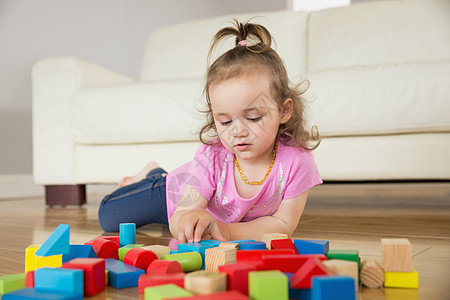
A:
(139, 258)
(127, 233)
(189, 261)
(371, 274)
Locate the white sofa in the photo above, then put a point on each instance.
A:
(380, 95)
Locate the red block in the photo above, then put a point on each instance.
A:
(312, 267)
(229, 295)
(105, 247)
(254, 257)
(164, 267)
(237, 275)
(283, 244)
(29, 279)
(93, 273)
(146, 280)
(140, 258)
(288, 263)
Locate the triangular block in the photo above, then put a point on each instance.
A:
(312, 267)
(57, 242)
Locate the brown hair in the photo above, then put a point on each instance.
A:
(258, 55)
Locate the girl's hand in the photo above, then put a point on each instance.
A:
(197, 223)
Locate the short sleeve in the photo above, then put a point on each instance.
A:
(303, 175)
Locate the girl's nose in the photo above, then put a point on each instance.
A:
(240, 129)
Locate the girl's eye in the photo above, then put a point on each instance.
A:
(254, 119)
(225, 123)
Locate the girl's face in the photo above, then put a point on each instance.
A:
(246, 117)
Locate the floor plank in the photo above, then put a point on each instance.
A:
(350, 216)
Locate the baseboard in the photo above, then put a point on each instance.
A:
(19, 186)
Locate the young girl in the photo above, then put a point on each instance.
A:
(253, 174)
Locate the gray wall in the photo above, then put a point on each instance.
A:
(112, 33)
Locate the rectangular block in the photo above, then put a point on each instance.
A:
(268, 237)
(282, 244)
(67, 281)
(11, 283)
(237, 276)
(268, 285)
(93, 273)
(409, 280)
(122, 275)
(33, 262)
(159, 250)
(165, 291)
(197, 247)
(312, 246)
(254, 257)
(32, 294)
(350, 255)
(289, 263)
(333, 287)
(228, 295)
(79, 251)
(218, 256)
(396, 255)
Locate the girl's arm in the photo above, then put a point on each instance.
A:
(284, 220)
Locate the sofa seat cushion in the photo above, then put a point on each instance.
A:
(146, 112)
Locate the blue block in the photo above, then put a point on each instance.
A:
(312, 246)
(179, 251)
(197, 247)
(127, 232)
(333, 287)
(33, 294)
(301, 294)
(79, 251)
(214, 243)
(56, 243)
(253, 246)
(122, 275)
(58, 280)
(241, 241)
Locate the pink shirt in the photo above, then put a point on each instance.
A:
(211, 173)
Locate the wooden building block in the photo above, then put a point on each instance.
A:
(105, 247)
(165, 291)
(205, 282)
(408, 280)
(122, 275)
(333, 287)
(147, 280)
(254, 257)
(33, 262)
(159, 250)
(344, 267)
(127, 234)
(197, 247)
(189, 261)
(312, 246)
(288, 263)
(228, 295)
(350, 255)
(68, 281)
(253, 246)
(396, 255)
(211, 242)
(29, 280)
(57, 243)
(371, 274)
(159, 267)
(93, 273)
(219, 256)
(268, 237)
(139, 258)
(237, 276)
(123, 250)
(32, 293)
(11, 283)
(283, 244)
(268, 285)
(236, 246)
(312, 267)
(79, 251)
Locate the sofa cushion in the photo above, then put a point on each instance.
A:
(384, 70)
(161, 111)
(180, 51)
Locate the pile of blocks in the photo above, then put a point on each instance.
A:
(274, 268)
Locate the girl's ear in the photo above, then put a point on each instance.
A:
(286, 110)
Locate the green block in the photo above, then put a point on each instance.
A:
(268, 285)
(165, 291)
(350, 255)
(11, 283)
(123, 250)
(189, 261)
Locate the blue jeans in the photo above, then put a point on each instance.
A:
(143, 202)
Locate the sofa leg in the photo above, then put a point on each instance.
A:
(65, 194)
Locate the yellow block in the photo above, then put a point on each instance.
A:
(33, 262)
(409, 280)
(106, 277)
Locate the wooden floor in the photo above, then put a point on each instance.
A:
(350, 216)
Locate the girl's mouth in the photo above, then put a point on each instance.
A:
(243, 146)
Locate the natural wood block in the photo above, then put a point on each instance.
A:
(219, 256)
(268, 237)
(344, 267)
(230, 245)
(396, 255)
(371, 273)
(205, 282)
(159, 250)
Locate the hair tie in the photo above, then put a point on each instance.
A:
(243, 43)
